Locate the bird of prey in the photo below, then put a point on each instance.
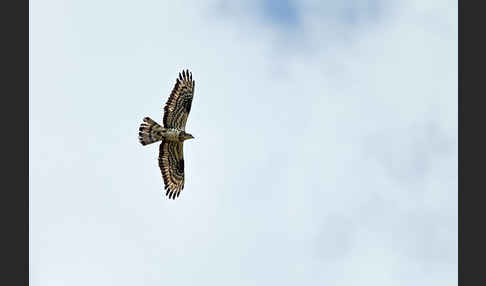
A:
(172, 134)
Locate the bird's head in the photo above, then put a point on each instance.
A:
(187, 136)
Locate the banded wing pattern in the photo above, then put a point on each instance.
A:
(171, 163)
(179, 103)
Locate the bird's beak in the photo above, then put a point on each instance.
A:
(192, 137)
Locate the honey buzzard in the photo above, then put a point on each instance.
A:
(172, 135)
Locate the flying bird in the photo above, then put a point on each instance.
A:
(172, 134)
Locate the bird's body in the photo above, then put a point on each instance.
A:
(172, 134)
(175, 135)
(152, 132)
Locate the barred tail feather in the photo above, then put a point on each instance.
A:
(150, 131)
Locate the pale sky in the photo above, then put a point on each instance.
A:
(325, 150)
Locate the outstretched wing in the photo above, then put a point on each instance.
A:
(171, 163)
(179, 103)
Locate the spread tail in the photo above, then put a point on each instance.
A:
(149, 131)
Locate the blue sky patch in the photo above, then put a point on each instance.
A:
(281, 12)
